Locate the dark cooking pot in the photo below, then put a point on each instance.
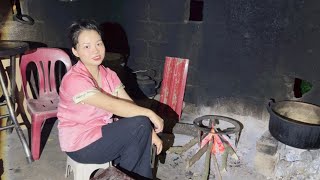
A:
(294, 123)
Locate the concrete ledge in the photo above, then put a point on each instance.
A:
(265, 164)
(267, 144)
(266, 156)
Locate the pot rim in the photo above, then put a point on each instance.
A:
(290, 119)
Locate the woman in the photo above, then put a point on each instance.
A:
(90, 95)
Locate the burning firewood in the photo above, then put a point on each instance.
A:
(214, 141)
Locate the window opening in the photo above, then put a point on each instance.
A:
(301, 87)
(196, 10)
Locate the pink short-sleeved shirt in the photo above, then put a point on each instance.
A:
(80, 124)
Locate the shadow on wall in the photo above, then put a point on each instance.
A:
(117, 53)
(115, 39)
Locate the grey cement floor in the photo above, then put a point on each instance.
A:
(50, 166)
(52, 162)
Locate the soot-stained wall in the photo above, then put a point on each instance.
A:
(242, 49)
(245, 49)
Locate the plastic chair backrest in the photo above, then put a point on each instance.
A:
(174, 82)
(45, 60)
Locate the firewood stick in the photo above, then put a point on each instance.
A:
(197, 156)
(199, 137)
(216, 166)
(184, 148)
(206, 173)
(224, 158)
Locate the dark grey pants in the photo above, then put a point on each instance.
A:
(126, 142)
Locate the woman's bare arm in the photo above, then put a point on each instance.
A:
(121, 93)
(123, 108)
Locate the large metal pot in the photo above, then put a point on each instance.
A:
(294, 123)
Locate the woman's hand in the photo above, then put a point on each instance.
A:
(157, 141)
(157, 122)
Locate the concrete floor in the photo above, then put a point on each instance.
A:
(50, 166)
(52, 162)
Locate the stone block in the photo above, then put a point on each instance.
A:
(265, 164)
(267, 144)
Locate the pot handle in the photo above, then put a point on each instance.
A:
(271, 101)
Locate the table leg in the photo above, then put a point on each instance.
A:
(13, 79)
(14, 120)
(13, 88)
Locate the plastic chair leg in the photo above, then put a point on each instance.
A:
(35, 139)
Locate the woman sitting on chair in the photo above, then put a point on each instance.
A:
(90, 95)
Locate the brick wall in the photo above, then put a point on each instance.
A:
(247, 50)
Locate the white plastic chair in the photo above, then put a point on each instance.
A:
(83, 171)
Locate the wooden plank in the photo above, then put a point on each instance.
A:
(184, 148)
(173, 83)
(197, 156)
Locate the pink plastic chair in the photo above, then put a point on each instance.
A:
(173, 83)
(45, 105)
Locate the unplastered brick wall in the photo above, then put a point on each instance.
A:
(240, 49)
(158, 29)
